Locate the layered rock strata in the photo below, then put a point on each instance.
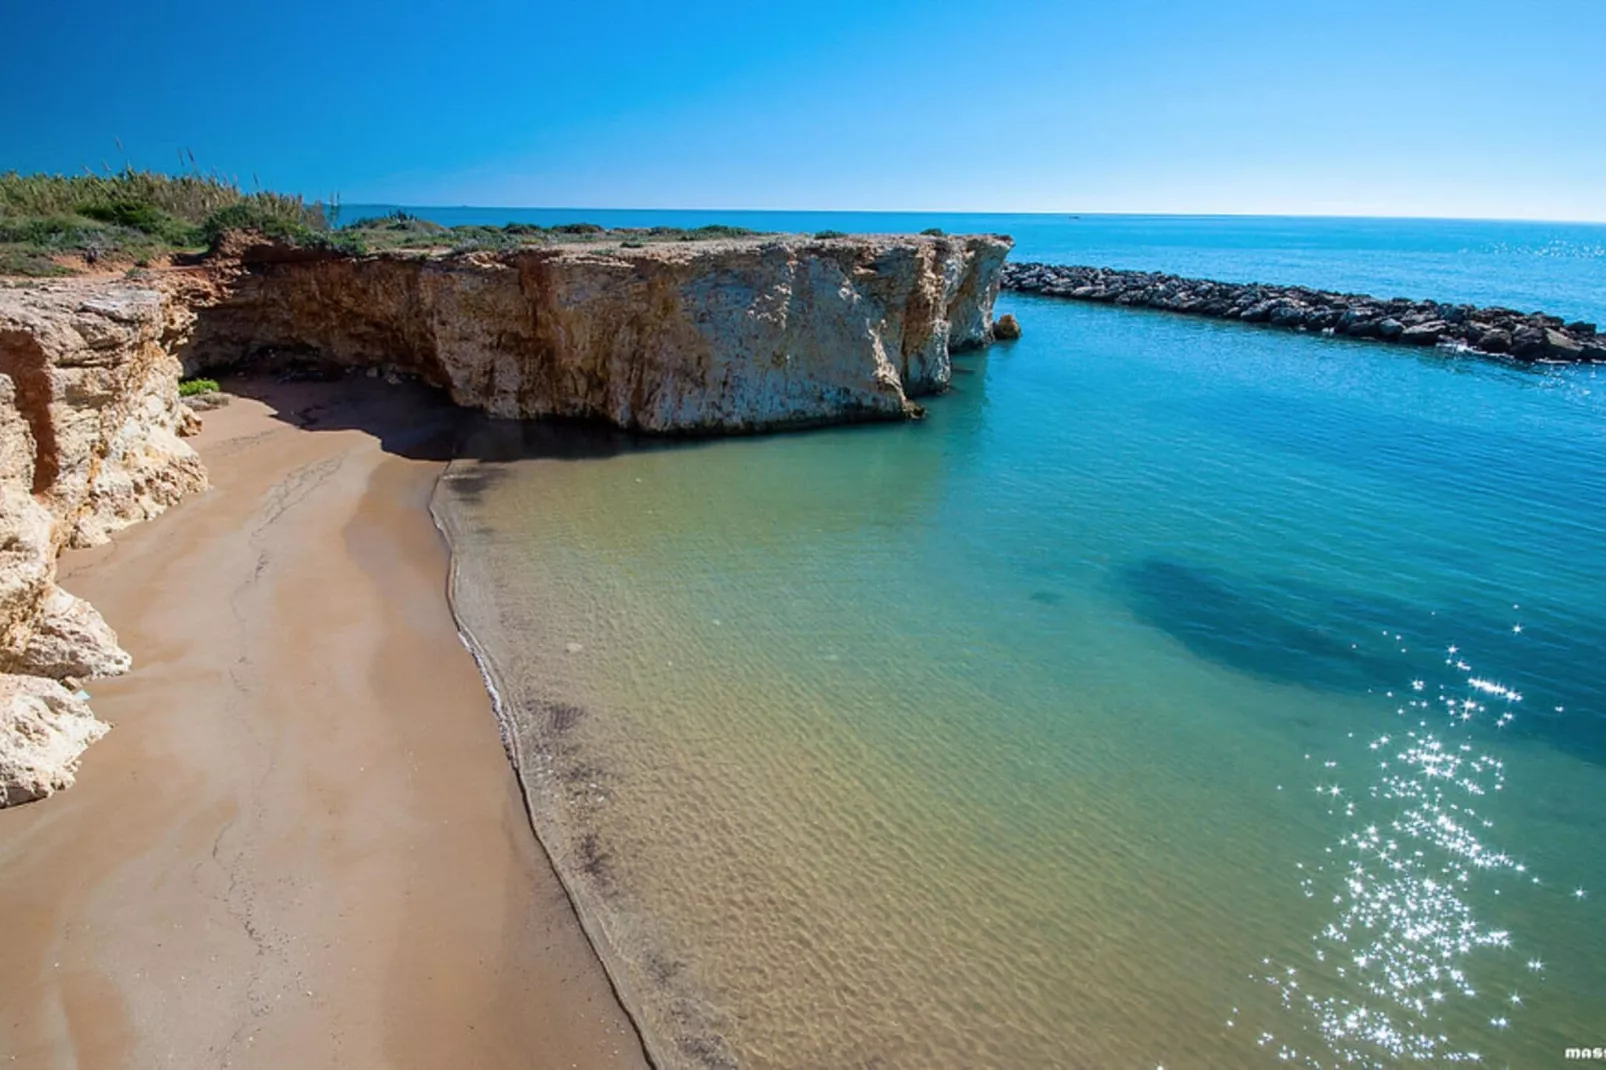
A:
(705, 337)
(701, 337)
(89, 442)
(1530, 336)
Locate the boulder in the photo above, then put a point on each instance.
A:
(43, 729)
(1286, 314)
(1494, 340)
(70, 638)
(1560, 346)
(1528, 342)
(1006, 327)
(1423, 334)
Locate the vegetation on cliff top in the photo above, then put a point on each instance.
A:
(401, 230)
(62, 224)
(56, 224)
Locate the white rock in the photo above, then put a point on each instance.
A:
(43, 730)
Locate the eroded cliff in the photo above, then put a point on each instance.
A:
(696, 337)
(89, 443)
(702, 337)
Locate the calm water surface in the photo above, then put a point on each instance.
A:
(1178, 693)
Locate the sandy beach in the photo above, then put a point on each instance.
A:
(301, 845)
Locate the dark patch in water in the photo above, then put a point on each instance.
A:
(1328, 639)
(560, 717)
(595, 861)
(1256, 629)
(582, 773)
(709, 1051)
(1047, 598)
(661, 968)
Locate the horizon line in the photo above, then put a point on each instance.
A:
(1404, 217)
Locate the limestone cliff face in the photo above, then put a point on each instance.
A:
(96, 384)
(89, 424)
(675, 337)
(697, 337)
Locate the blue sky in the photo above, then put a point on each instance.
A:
(1468, 108)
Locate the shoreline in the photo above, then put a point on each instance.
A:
(302, 844)
(590, 926)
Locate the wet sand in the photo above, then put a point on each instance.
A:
(302, 844)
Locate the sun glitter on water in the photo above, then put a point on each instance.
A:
(1405, 943)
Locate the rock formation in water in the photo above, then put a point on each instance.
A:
(89, 443)
(700, 337)
(724, 336)
(1530, 336)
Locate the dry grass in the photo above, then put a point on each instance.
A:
(130, 215)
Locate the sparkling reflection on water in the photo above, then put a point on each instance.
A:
(1405, 939)
(1108, 718)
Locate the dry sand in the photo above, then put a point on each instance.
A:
(302, 845)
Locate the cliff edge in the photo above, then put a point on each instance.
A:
(706, 337)
(89, 442)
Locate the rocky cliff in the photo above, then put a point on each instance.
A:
(697, 337)
(723, 336)
(89, 443)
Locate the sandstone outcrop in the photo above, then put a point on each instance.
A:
(1530, 336)
(43, 730)
(717, 336)
(89, 426)
(701, 337)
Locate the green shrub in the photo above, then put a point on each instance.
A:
(397, 222)
(145, 218)
(933, 232)
(720, 230)
(188, 388)
(277, 216)
(830, 234)
(56, 231)
(33, 263)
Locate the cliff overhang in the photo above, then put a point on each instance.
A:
(711, 337)
(708, 337)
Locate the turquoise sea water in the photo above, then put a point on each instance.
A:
(1178, 693)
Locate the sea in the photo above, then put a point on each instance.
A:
(1178, 693)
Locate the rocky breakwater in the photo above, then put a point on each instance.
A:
(1523, 336)
(90, 421)
(683, 337)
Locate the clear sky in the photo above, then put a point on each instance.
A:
(1405, 107)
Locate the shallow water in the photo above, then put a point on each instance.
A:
(1108, 717)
